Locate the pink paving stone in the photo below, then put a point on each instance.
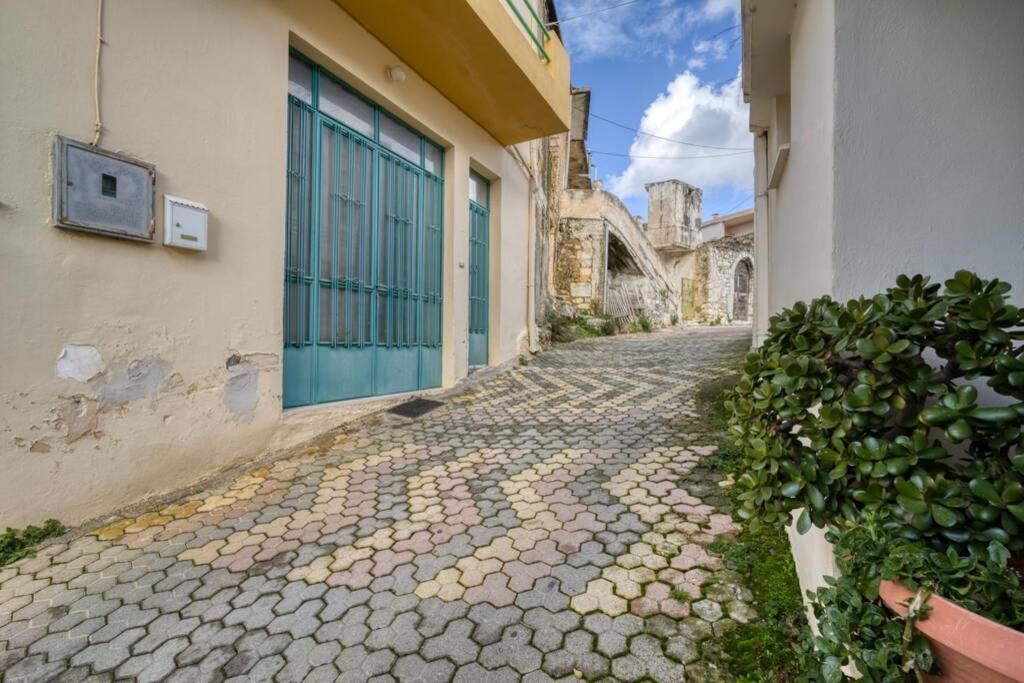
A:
(493, 590)
(333, 523)
(418, 544)
(545, 551)
(356, 576)
(385, 561)
(673, 577)
(643, 607)
(657, 591)
(357, 497)
(180, 526)
(442, 533)
(521, 577)
(562, 495)
(547, 487)
(311, 532)
(570, 542)
(243, 559)
(674, 608)
(565, 513)
(448, 483)
(586, 521)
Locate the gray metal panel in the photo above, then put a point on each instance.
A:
(101, 191)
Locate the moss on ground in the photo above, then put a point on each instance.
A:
(766, 651)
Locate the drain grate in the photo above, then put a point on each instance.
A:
(415, 408)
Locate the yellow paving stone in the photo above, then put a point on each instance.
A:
(347, 556)
(642, 575)
(428, 589)
(628, 589)
(204, 555)
(184, 510)
(214, 502)
(654, 562)
(112, 531)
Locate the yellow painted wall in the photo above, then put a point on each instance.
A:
(198, 89)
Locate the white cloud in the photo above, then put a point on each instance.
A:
(641, 29)
(716, 9)
(707, 50)
(695, 112)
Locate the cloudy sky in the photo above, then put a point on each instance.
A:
(669, 68)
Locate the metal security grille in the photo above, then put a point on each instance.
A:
(479, 227)
(478, 268)
(298, 269)
(364, 244)
(346, 227)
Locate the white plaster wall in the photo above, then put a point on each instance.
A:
(800, 211)
(929, 141)
(198, 89)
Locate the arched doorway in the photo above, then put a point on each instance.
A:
(742, 281)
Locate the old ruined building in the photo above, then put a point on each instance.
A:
(606, 261)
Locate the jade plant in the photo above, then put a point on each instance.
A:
(905, 409)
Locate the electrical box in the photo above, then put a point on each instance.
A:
(184, 223)
(101, 191)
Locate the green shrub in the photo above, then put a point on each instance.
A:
(865, 415)
(609, 327)
(645, 323)
(18, 543)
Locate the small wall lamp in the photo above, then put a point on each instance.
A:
(396, 74)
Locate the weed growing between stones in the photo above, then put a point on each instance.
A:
(18, 543)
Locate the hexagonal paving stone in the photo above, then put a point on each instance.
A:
(547, 523)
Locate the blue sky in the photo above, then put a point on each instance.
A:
(670, 68)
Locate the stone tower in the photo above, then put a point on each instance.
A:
(673, 215)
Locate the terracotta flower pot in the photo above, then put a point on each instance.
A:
(968, 647)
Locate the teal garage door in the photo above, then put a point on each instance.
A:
(364, 227)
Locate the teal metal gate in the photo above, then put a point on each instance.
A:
(364, 226)
(479, 228)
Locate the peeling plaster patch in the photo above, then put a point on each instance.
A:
(241, 391)
(80, 416)
(139, 379)
(40, 447)
(79, 362)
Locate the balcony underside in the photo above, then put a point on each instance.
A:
(477, 56)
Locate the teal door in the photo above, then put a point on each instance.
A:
(479, 228)
(362, 308)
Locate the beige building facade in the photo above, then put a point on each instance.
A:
(133, 368)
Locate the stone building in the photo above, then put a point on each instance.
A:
(669, 269)
(595, 258)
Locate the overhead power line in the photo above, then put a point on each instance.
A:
(737, 204)
(593, 11)
(660, 137)
(640, 156)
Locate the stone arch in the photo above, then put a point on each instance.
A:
(742, 289)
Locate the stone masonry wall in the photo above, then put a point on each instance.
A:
(714, 279)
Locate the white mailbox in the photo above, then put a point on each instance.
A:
(184, 223)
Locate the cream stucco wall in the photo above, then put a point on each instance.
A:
(198, 89)
(929, 141)
(799, 211)
(906, 156)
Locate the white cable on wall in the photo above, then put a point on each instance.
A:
(98, 122)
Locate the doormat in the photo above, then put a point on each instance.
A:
(415, 408)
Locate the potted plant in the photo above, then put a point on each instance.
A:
(866, 417)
